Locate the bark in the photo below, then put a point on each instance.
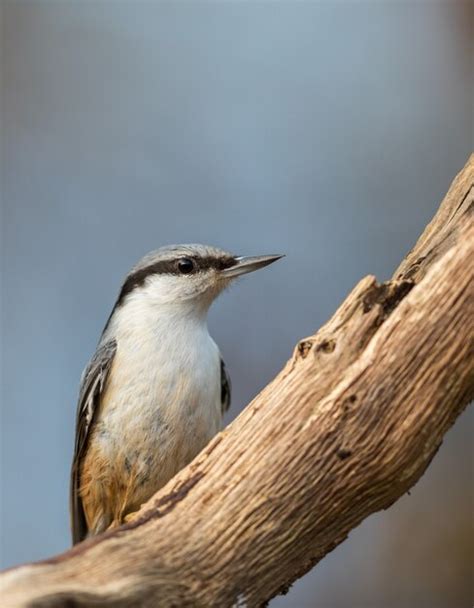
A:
(344, 430)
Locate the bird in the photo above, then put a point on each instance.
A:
(156, 389)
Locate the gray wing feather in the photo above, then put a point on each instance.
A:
(92, 385)
(226, 388)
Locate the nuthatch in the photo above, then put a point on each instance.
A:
(156, 389)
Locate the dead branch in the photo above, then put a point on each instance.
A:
(344, 430)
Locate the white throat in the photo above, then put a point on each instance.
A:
(140, 316)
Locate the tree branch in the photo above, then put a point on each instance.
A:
(344, 430)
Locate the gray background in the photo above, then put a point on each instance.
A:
(328, 131)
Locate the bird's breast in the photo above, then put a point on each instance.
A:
(161, 405)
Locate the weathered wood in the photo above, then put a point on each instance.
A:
(345, 429)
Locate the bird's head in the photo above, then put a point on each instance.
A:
(190, 275)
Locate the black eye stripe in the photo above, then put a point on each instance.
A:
(171, 266)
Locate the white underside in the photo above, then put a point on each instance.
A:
(162, 402)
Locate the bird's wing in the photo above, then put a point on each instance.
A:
(225, 388)
(92, 385)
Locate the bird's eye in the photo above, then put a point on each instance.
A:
(185, 265)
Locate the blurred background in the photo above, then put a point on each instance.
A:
(328, 131)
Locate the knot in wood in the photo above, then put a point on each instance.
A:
(327, 346)
(387, 295)
(304, 347)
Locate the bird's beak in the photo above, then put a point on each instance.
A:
(248, 264)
